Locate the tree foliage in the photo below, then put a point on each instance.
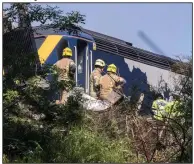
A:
(30, 116)
(49, 17)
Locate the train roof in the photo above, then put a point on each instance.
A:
(126, 49)
(40, 31)
(119, 47)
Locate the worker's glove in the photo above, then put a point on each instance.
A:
(119, 87)
(124, 81)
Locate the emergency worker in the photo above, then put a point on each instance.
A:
(95, 78)
(111, 85)
(173, 108)
(66, 70)
(159, 107)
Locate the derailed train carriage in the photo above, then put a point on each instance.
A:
(140, 68)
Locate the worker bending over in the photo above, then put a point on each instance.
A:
(66, 70)
(110, 85)
(95, 78)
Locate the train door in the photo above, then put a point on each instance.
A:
(83, 64)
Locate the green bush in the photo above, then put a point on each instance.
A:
(83, 145)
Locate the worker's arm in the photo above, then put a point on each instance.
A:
(121, 81)
(96, 81)
(72, 68)
(95, 77)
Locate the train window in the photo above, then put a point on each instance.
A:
(80, 64)
(81, 45)
(39, 41)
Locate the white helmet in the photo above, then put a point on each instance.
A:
(100, 63)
